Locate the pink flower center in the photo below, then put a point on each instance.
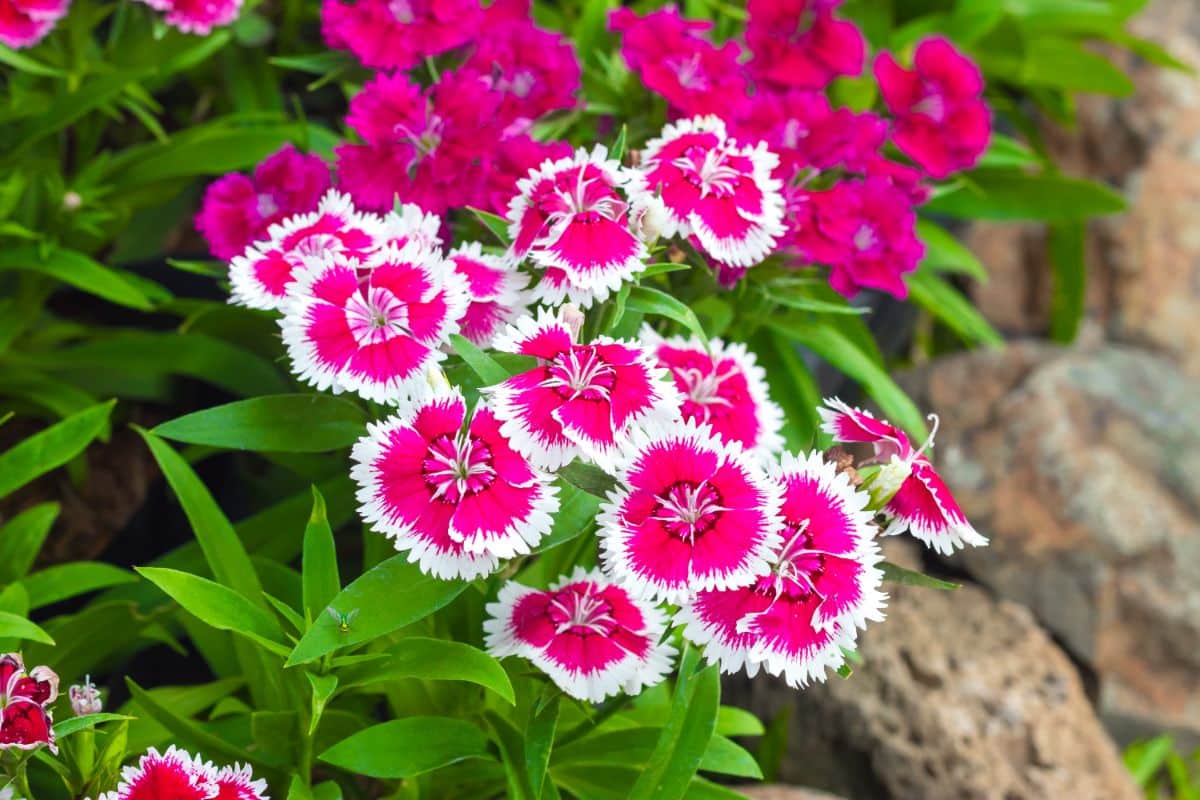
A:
(866, 238)
(689, 73)
(266, 205)
(704, 388)
(932, 105)
(376, 315)
(589, 200)
(425, 141)
(458, 466)
(793, 131)
(519, 85)
(688, 510)
(576, 609)
(317, 245)
(708, 172)
(402, 11)
(581, 372)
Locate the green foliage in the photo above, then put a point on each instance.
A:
(1163, 770)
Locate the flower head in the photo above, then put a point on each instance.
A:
(238, 210)
(198, 17)
(24, 697)
(941, 120)
(570, 215)
(922, 503)
(85, 698)
(177, 775)
(723, 388)
(582, 399)
(397, 34)
(494, 286)
(535, 71)
(797, 616)
(375, 327)
(24, 23)
(591, 636)
(237, 782)
(451, 491)
(800, 44)
(714, 189)
(690, 513)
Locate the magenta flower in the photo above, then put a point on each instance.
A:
(674, 59)
(941, 120)
(24, 23)
(588, 634)
(238, 783)
(397, 34)
(690, 513)
(515, 156)
(864, 231)
(260, 276)
(796, 617)
(197, 16)
(456, 498)
(374, 328)
(582, 399)
(799, 44)
(570, 215)
(238, 210)
(715, 189)
(177, 775)
(494, 287)
(426, 147)
(722, 388)
(534, 71)
(25, 722)
(922, 503)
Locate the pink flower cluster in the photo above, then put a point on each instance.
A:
(849, 206)
(178, 775)
(197, 17)
(25, 700)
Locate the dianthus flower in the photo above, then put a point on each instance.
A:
(25, 722)
(941, 121)
(24, 23)
(197, 16)
(457, 498)
(921, 503)
(796, 617)
(533, 70)
(582, 399)
(570, 215)
(805, 131)
(375, 327)
(800, 44)
(713, 188)
(261, 275)
(864, 231)
(674, 59)
(723, 388)
(514, 157)
(429, 147)
(690, 513)
(238, 210)
(494, 286)
(397, 34)
(587, 633)
(177, 775)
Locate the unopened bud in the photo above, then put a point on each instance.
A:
(888, 480)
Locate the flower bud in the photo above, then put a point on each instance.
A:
(574, 319)
(85, 699)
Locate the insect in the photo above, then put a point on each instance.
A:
(343, 620)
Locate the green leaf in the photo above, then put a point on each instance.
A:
(71, 725)
(908, 577)
(321, 581)
(187, 734)
(388, 596)
(1145, 761)
(945, 253)
(433, 660)
(480, 362)
(21, 539)
(76, 269)
(209, 149)
(402, 748)
(591, 28)
(1069, 268)
(24, 63)
(512, 752)
(662, 268)
(539, 741)
(496, 224)
(1009, 195)
(634, 746)
(589, 478)
(734, 721)
(323, 687)
(792, 386)
(64, 581)
(1004, 151)
(52, 447)
(223, 550)
(17, 627)
(652, 301)
(794, 297)
(617, 151)
(1062, 63)
(684, 739)
(68, 107)
(286, 423)
(945, 303)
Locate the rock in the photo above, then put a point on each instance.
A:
(958, 697)
(1083, 468)
(778, 791)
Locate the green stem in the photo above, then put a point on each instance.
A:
(606, 710)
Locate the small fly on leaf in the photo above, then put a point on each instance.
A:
(343, 620)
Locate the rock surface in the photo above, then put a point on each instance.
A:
(960, 697)
(1083, 468)
(778, 791)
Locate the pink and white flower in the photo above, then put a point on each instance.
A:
(590, 635)
(24, 23)
(173, 775)
(451, 492)
(582, 399)
(715, 189)
(376, 327)
(197, 17)
(797, 616)
(723, 388)
(571, 215)
(411, 223)
(921, 503)
(260, 277)
(690, 514)
(238, 783)
(25, 722)
(495, 288)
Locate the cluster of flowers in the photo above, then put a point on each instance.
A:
(24, 23)
(849, 206)
(177, 775)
